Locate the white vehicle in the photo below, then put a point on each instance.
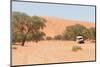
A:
(79, 39)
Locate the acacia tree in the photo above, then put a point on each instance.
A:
(93, 33)
(25, 24)
(58, 37)
(72, 31)
(86, 34)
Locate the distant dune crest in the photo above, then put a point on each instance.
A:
(56, 25)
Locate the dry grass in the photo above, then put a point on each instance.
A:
(14, 47)
(76, 48)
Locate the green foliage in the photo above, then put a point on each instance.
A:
(38, 22)
(72, 31)
(17, 37)
(25, 27)
(89, 34)
(86, 34)
(38, 36)
(29, 37)
(75, 30)
(93, 33)
(58, 37)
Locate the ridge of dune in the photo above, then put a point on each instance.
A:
(56, 26)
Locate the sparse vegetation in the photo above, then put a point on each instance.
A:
(38, 36)
(76, 48)
(49, 38)
(14, 47)
(93, 33)
(58, 37)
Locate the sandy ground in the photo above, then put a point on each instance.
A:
(51, 52)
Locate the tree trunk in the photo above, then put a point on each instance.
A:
(24, 39)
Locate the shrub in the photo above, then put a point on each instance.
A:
(17, 37)
(76, 48)
(93, 33)
(75, 30)
(14, 47)
(89, 34)
(48, 38)
(38, 36)
(72, 31)
(58, 37)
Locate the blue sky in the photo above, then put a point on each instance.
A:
(83, 13)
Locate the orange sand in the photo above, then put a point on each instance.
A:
(54, 51)
(51, 52)
(55, 25)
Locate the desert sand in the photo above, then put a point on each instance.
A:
(52, 52)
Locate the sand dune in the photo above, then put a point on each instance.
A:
(57, 25)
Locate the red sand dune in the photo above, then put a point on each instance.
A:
(56, 25)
